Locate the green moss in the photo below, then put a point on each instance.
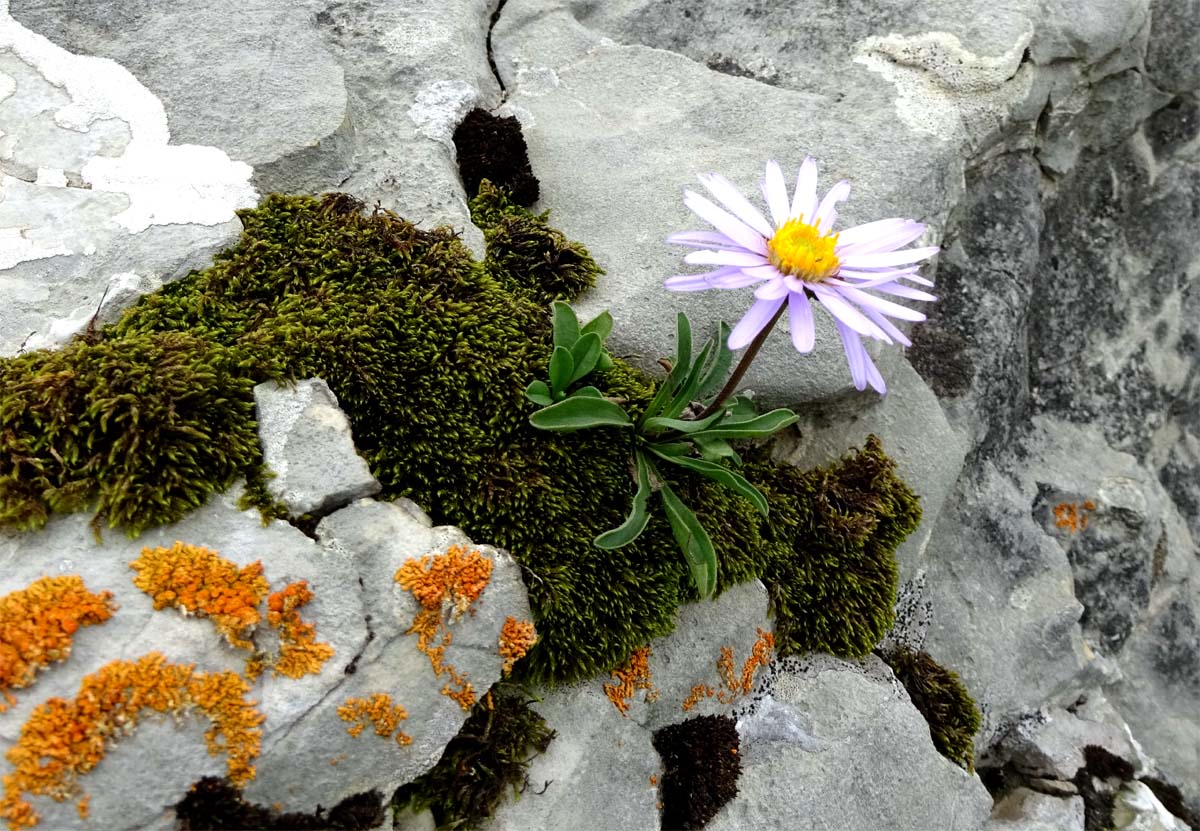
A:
(140, 429)
(429, 352)
(525, 254)
(832, 573)
(939, 695)
(482, 764)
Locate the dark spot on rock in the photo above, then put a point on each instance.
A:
(1104, 764)
(701, 768)
(1173, 126)
(492, 147)
(213, 804)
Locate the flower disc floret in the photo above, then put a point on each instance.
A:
(795, 258)
(801, 250)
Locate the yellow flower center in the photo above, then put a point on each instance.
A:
(803, 251)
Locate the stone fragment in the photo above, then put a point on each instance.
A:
(307, 444)
(1050, 743)
(832, 722)
(1136, 808)
(1027, 810)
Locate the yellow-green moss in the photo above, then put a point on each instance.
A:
(939, 695)
(429, 353)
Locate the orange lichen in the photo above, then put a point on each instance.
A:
(202, 582)
(653, 781)
(379, 712)
(760, 656)
(699, 692)
(299, 651)
(735, 684)
(1073, 516)
(62, 740)
(37, 625)
(517, 637)
(633, 675)
(444, 583)
(83, 807)
(454, 579)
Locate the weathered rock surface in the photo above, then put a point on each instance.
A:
(841, 746)
(307, 444)
(1026, 810)
(307, 757)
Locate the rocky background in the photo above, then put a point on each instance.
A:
(1048, 413)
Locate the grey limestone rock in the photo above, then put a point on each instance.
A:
(309, 756)
(1027, 810)
(857, 755)
(307, 444)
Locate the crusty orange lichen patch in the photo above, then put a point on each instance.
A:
(444, 584)
(202, 582)
(1073, 516)
(83, 807)
(299, 651)
(454, 579)
(631, 676)
(37, 624)
(62, 740)
(517, 637)
(379, 712)
(736, 684)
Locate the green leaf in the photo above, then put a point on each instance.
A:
(660, 423)
(661, 396)
(693, 541)
(578, 413)
(601, 325)
(715, 449)
(714, 376)
(633, 526)
(585, 354)
(588, 392)
(605, 363)
(753, 428)
(683, 349)
(566, 325)
(539, 393)
(722, 476)
(683, 396)
(562, 365)
(677, 448)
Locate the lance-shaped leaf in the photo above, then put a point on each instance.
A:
(660, 424)
(578, 413)
(714, 374)
(585, 354)
(566, 325)
(752, 428)
(715, 449)
(691, 383)
(721, 475)
(539, 393)
(601, 325)
(588, 392)
(638, 517)
(693, 541)
(562, 366)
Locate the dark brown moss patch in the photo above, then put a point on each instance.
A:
(701, 768)
(486, 761)
(492, 147)
(215, 805)
(939, 695)
(1104, 764)
(1172, 799)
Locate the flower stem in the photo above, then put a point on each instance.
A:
(736, 378)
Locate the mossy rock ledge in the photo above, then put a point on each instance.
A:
(127, 441)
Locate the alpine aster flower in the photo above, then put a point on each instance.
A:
(797, 259)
